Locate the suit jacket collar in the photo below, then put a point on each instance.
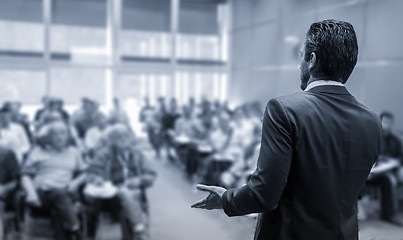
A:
(330, 89)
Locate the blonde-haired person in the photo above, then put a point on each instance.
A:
(48, 177)
(119, 162)
(50, 116)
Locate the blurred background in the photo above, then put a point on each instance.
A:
(226, 50)
(227, 57)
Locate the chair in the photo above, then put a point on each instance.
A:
(12, 217)
(10, 225)
(38, 224)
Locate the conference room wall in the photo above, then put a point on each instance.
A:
(267, 35)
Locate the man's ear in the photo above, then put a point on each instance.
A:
(312, 61)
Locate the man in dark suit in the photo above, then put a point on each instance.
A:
(318, 147)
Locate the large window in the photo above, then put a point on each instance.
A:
(111, 48)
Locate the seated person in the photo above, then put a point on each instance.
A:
(85, 117)
(240, 172)
(200, 147)
(117, 114)
(388, 178)
(225, 148)
(12, 135)
(94, 134)
(181, 136)
(48, 177)
(119, 163)
(48, 117)
(151, 125)
(9, 173)
(183, 129)
(18, 117)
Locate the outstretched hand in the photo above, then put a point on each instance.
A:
(213, 200)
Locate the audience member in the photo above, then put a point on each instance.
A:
(95, 133)
(85, 117)
(121, 164)
(19, 118)
(9, 174)
(45, 105)
(13, 135)
(49, 178)
(117, 114)
(53, 104)
(151, 125)
(385, 172)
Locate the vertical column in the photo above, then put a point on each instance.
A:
(175, 4)
(47, 16)
(225, 26)
(114, 8)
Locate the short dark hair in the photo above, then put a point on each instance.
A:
(336, 48)
(386, 114)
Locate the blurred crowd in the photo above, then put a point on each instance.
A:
(66, 166)
(88, 163)
(212, 143)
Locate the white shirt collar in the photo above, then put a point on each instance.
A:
(322, 83)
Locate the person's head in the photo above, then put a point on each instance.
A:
(55, 135)
(5, 117)
(387, 119)
(13, 108)
(329, 53)
(186, 112)
(59, 104)
(215, 123)
(101, 121)
(161, 102)
(173, 105)
(116, 103)
(146, 101)
(50, 116)
(238, 114)
(206, 106)
(53, 104)
(45, 101)
(86, 104)
(17, 105)
(119, 137)
(192, 102)
(225, 121)
(90, 106)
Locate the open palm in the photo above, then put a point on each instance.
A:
(213, 200)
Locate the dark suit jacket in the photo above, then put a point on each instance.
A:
(317, 150)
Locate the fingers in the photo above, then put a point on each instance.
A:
(199, 204)
(211, 189)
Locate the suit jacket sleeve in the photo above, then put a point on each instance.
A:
(264, 189)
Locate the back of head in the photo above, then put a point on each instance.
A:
(336, 48)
